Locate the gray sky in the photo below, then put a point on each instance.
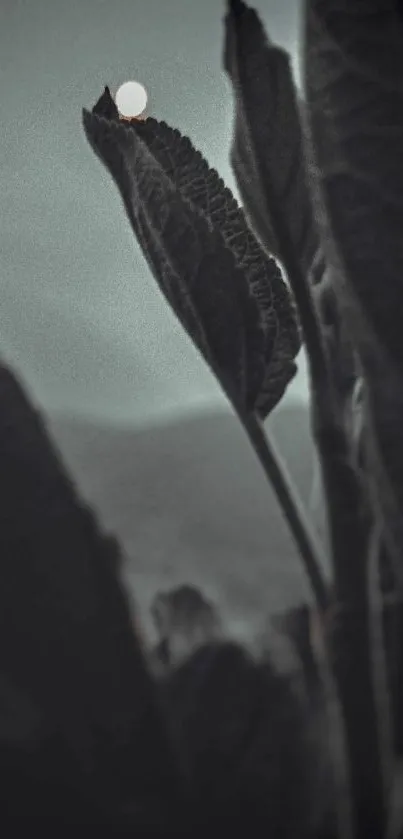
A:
(81, 316)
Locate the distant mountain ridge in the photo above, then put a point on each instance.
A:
(189, 503)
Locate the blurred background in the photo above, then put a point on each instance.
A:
(138, 415)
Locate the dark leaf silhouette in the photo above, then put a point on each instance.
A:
(68, 649)
(354, 67)
(267, 151)
(228, 294)
(269, 161)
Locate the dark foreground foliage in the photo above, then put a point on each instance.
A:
(100, 734)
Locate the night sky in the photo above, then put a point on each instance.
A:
(82, 318)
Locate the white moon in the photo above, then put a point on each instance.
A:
(131, 99)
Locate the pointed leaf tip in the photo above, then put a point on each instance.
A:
(105, 106)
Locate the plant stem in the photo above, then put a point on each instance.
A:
(308, 546)
(350, 646)
(354, 656)
(311, 554)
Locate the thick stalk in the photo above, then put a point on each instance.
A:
(311, 554)
(351, 652)
(358, 667)
(350, 645)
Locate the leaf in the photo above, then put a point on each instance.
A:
(269, 162)
(229, 296)
(272, 171)
(353, 70)
(356, 115)
(67, 645)
(267, 150)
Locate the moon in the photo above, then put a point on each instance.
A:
(131, 99)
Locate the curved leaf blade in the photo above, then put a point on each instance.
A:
(267, 151)
(195, 272)
(268, 158)
(208, 264)
(354, 70)
(201, 185)
(272, 170)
